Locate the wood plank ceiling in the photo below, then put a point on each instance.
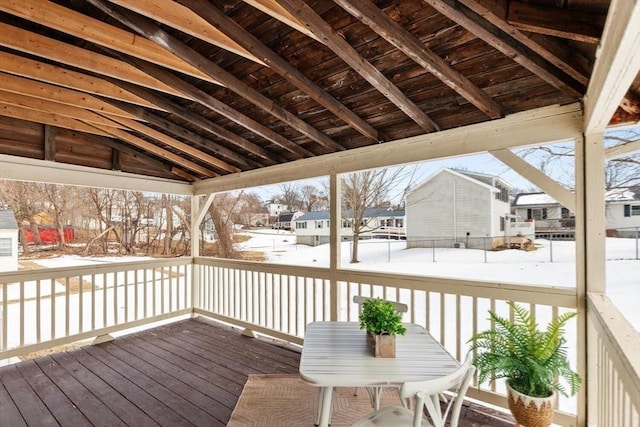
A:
(194, 89)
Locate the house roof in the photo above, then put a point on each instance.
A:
(189, 90)
(347, 213)
(483, 180)
(7, 220)
(621, 194)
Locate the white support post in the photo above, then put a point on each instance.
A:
(590, 261)
(335, 239)
(197, 215)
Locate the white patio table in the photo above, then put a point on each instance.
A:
(336, 354)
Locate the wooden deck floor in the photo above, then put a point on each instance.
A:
(185, 373)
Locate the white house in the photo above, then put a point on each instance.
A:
(622, 212)
(8, 241)
(459, 209)
(313, 228)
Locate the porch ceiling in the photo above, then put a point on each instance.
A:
(191, 89)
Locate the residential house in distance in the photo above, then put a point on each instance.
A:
(287, 220)
(552, 220)
(461, 209)
(8, 241)
(313, 228)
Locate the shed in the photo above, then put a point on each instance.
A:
(8, 241)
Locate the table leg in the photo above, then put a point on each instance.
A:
(324, 407)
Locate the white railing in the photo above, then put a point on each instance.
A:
(280, 300)
(41, 309)
(615, 349)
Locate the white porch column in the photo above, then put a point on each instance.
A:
(590, 260)
(335, 225)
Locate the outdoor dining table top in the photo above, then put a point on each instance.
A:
(337, 354)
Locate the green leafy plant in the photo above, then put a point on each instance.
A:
(532, 361)
(381, 317)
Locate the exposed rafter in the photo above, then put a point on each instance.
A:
(63, 19)
(579, 26)
(156, 34)
(224, 110)
(350, 55)
(205, 124)
(215, 17)
(43, 72)
(495, 12)
(64, 53)
(412, 47)
(523, 55)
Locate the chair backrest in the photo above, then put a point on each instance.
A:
(400, 307)
(427, 395)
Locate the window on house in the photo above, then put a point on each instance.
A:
(502, 221)
(631, 210)
(318, 224)
(399, 222)
(502, 195)
(302, 224)
(346, 224)
(5, 246)
(537, 213)
(565, 213)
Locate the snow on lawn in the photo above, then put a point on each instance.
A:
(515, 266)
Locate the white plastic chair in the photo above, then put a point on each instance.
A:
(426, 394)
(374, 392)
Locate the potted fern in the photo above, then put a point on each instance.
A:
(531, 360)
(383, 322)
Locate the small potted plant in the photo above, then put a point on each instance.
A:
(383, 322)
(531, 360)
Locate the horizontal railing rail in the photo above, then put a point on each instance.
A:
(41, 309)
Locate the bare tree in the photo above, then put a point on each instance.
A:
(310, 196)
(364, 190)
(221, 213)
(290, 196)
(24, 200)
(621, 171)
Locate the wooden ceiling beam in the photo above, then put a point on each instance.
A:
(76, 24)
(554, 21)
(184, 133)
(224, 110)
(364, 68)
(152, 31)
(178, 145)
(205, 124)
(218, 19)
(154, 149)
(43, 72)
(402, 39)
(45, 91)
(273, 9)
(65, 110)
(64, 53)
(36, 116)
(495, 12)
(181, 18)
(507, 45)
(120, 147)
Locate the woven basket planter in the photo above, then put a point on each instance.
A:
(531, 411)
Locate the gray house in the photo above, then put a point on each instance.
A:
(8, 241)
(458, 209)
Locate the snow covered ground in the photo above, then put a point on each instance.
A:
(553, 263)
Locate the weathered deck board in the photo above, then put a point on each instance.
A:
(184, 373)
